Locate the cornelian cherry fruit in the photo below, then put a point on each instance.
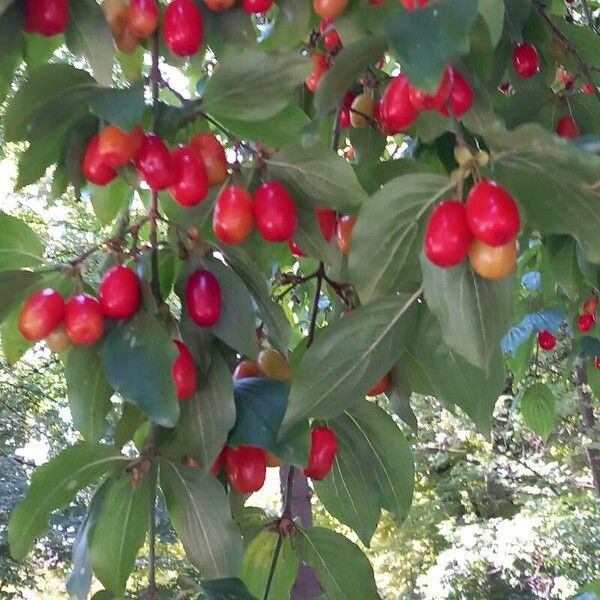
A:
(320, 67)
(295, 249)
(184, 372)
(597, 362)
(274, 365)
(117, 147)
(590, 306)
(210, 151)
(94, 168)
(246, 468)
(155, 163)
(382, 386)
(245, 369)
(323, 448)
(448, 237)
(219, 5)
(142, 17)
(327, 220)
(585, 323)
(423, 101)
(275, 213)
(343, 232)
(461, 96)
(42, 313)
(413, 4)
(330, 9)
(567, 128)
(546, 340)
(83, 319)
(256, 6)
(493, 262)
(203, 298)
(46, 17)
(190, 181)
(526, 60)
(183, 28)
(331, 38)
(120, 293)
(232, 217)
(58, 339)
(396, 112)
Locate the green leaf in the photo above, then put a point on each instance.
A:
(349, 64)
(388, 236)
(292, 21)
(120, 532)
(318, 176)
(253, 86)
(138, 358)
(200, 514)
(88, 390)
(226, 589)
(274, 320)
(427, 40)
(53, 486)
(541, 171)
(368, 143)
(350, 491)
(208, 415)
(492, 12)
(15, 286)
(438, 371)
(121, 107)
(131, 419)
(88, 34)
(11, 30)
(343, 570)
(236, 326)
(350, 357)
(39, 49)
(14, 345)
(109, 200)
(20, 246)
(565, 268)
(474, 313)
(399, 396)
(256, 565)
(538, 407)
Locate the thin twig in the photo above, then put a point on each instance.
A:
(588, 14)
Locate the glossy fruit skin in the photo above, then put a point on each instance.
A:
(94, 169)
(232, 217)
(590, 306)
(331, 39)
(413, 4)
(209, 150)
(117, 147)
(183, 28)
(567, 128)
(492, 262)
(83, 319)
(586, 323)
(396, 112)
(448, 237)
(492, 214)
(320, 67)
(46, 17)
(274, 365)
(184, 372)
(256, 6)
(58, 339)
(155, 163)
(382, 386)
(142, 17)
(120, 293)
(245, 369)
(327, 219)
(546, 340)
(343, 233)
(330, 9)
(461, 96)
(115, 12)
(190, 182)
(597, 362)
(219, 5)
(275, 213)
(526, 60)
(295, 249)
(323, 448)
(42, 313)
(589, 89)
(423, 101)
(126, 42)
(203, 298)
(363, 104)
(246, 468)
(345, 120)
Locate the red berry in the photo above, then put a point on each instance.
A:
(589, 89)
(203, 298)
(117, 147)
(83, 319)
(546, 340)
(396, 112)
(184, 372)
(343, 233)
(257, 6)
(320, 67)
(209, 150)
(586, 322)
(323, 447)
(597, 362)
(327, 222)
(275, 212)
(142, 17)
(46, 17)
(190, 185)
(414, 4)
(567, 128)
(461, 96)
(120, 293)
(423, 101)
(590, 306)
(448, 237)
(246, 368)
(526, 60)
(155, 163)
(492, 213)
(246, 468)
(295, 249)
(331, 39)
(382, 387)
(94, 168)
(345, 118)
(232, 218)
(182, 27)
(42, 313)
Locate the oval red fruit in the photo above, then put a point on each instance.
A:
(246, 468)
(295, 249)
(414, 4)
(209, 150)
(323, 447)
(232, 218)
(597, 362)
(203, 298)
(142, 17)
(256, 6)
(42, 313)
(327, 222)
(184, 372)
(190, 182)
(585, 323)
(546, 340)
(492, 214)
(274, 212)
(46, 17)
(448, 237)
(396, 112)
(423, 101)
(461, 96)
(182, 27)
(382, 386)
(590, 306)
(94, 168)
(83, 319)
(117, 147)
(526, 60)
(567, 128)
(246, 368)
(155, 163)
(120, 293)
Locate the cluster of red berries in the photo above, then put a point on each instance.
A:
(484, 228)
(587, 318)
(188, 171)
